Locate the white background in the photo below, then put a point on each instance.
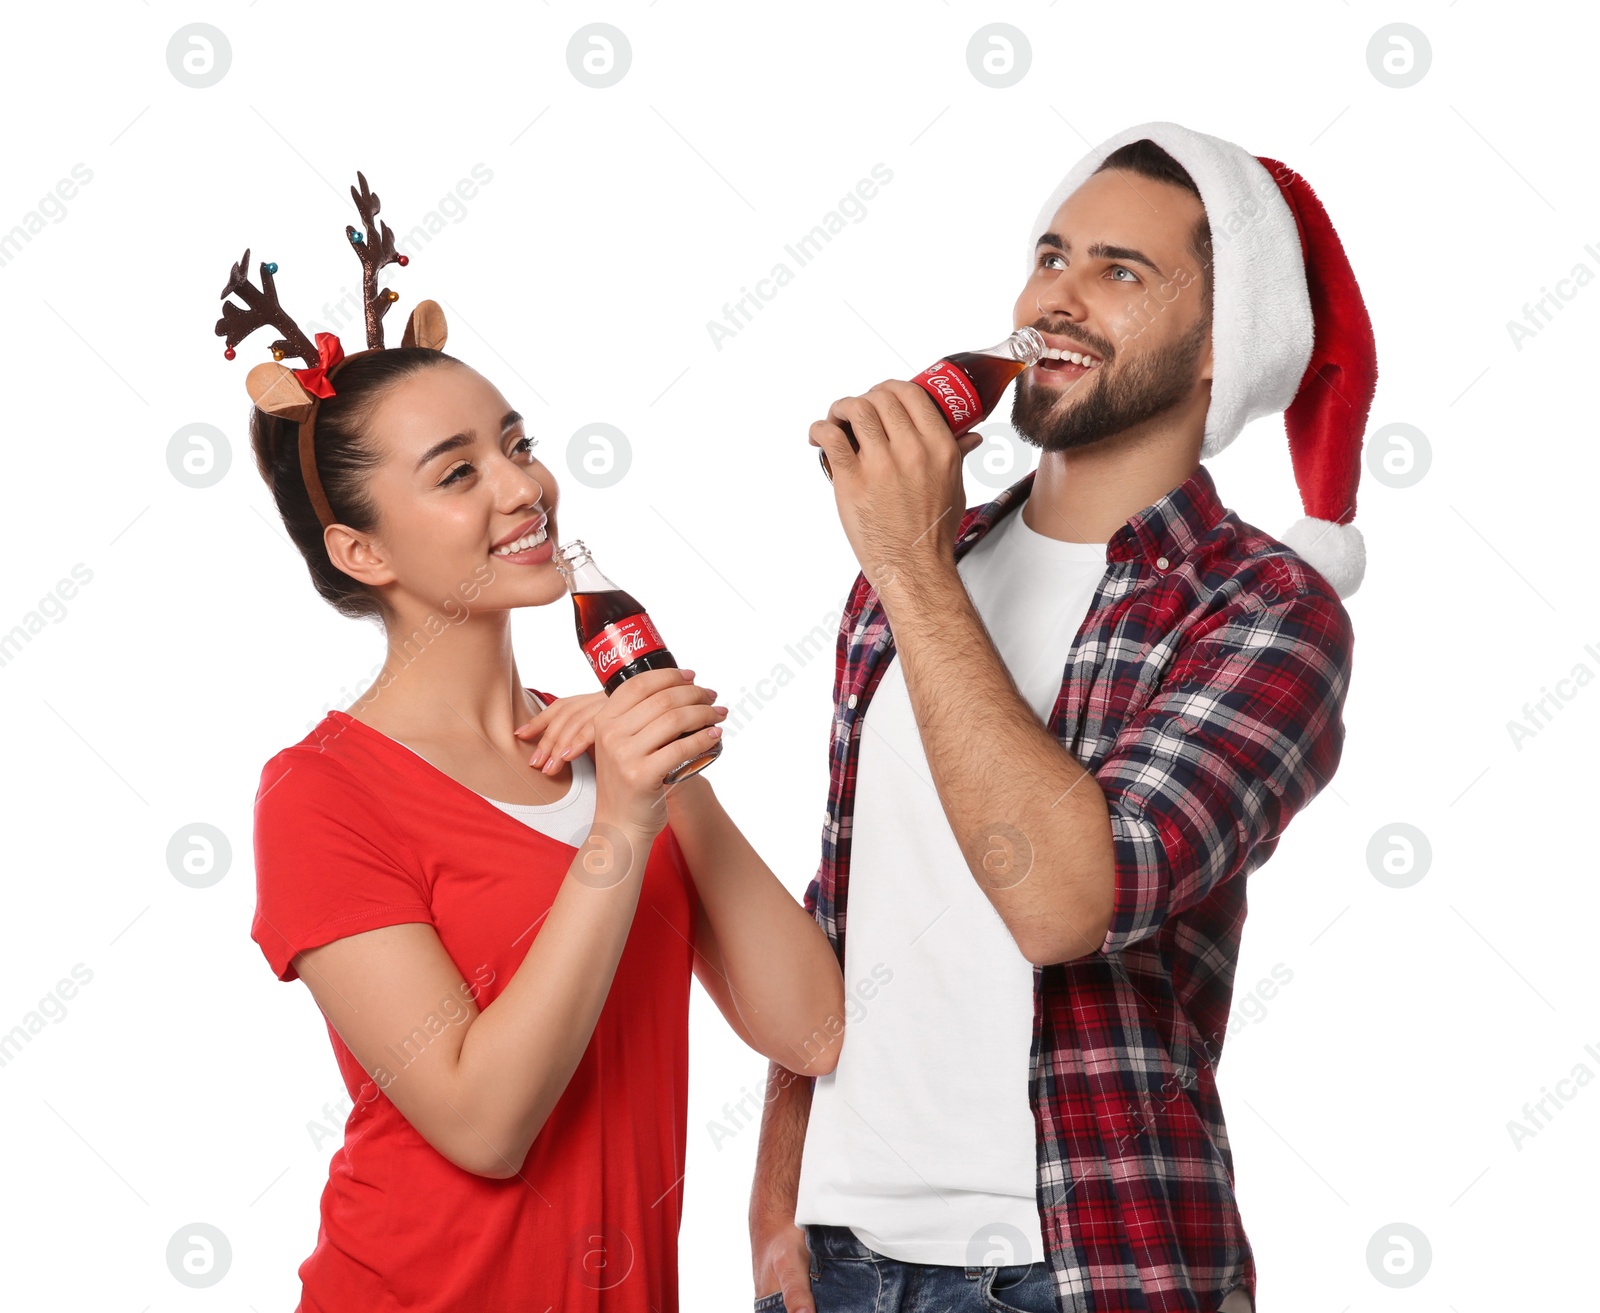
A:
(1375, 1088)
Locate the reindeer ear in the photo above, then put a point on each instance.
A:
(425, 327)
(275, 389)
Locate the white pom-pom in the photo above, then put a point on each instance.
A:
(1336, 551)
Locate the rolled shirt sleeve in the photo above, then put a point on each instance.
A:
(1242, 733)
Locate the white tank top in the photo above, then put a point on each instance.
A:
(569, 818)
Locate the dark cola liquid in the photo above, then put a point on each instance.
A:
(594, 611)
(630, 627)
(986, 378)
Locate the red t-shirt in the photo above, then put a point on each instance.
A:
(353, 831)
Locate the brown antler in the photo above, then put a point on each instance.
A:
(376, 249)
(237, 322)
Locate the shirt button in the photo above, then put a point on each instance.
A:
(1162, 563)
(852, 702)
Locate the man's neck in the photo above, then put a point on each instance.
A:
(1087, 494)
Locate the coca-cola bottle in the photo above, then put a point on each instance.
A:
(966, 386)
(618, 636)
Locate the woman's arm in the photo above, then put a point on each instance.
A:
(761, 957)
(478, 1085)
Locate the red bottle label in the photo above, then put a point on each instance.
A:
(953, 390)
(622, 643)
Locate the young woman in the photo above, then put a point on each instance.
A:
(502, 952)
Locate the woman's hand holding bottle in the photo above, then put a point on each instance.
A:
(637, 741)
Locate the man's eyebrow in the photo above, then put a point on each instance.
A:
(511, 419)
(1102, 251)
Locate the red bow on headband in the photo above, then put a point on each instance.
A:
(314, 378)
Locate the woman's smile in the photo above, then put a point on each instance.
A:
(533, 548)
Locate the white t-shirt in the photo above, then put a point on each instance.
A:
(922, 1140)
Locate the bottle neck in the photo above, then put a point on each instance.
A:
(1025, 345)
(579, 570)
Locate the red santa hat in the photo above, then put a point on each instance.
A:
(1289, 331)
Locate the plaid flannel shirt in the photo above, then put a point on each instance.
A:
(1204, 691)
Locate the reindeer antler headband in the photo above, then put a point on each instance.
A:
(296, 393)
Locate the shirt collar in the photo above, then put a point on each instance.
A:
(1162, 534)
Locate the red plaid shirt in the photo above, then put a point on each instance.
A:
(1204, 692)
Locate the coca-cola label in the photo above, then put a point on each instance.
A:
(953, 390)
(622, 643)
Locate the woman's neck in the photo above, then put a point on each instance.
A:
(458, 682)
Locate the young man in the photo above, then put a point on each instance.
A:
(1095, 703)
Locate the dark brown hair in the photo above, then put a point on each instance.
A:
(345, 458)
(1149, 160)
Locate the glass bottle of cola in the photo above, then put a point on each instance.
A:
(966, 386)
(618, 636)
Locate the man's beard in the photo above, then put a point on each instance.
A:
(1132, 392)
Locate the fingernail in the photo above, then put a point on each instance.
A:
(716, 731)
(537, 759)
(687, 674)
(721, 711)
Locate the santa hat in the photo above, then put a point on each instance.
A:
(1289, 330)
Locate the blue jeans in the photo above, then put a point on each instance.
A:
(847, 1277)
